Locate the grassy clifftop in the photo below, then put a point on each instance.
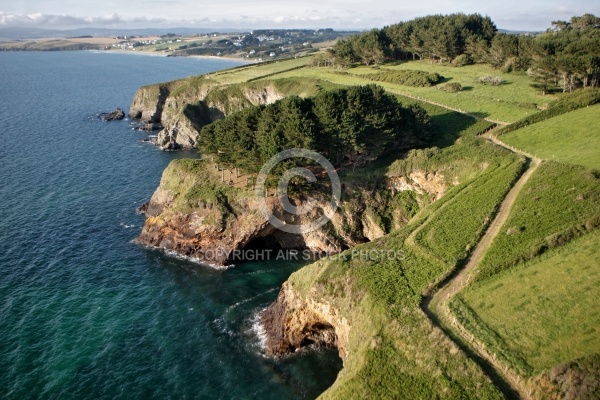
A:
(373, 293)
(393, 349)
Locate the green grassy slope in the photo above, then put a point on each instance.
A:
(251, 72)
(395, 351)
(546, 311)
(559, 203)
(573, 138)
(449, 234)
(525, 307)
(511, 101)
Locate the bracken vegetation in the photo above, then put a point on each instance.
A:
(559, 203)
(451, 236)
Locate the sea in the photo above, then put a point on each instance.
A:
(84, 311)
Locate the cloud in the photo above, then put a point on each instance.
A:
(41, 20)
(337, 14)
(308, 19)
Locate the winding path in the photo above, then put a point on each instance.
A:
(436, 305)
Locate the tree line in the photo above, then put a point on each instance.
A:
(435, 37)
(566, 55)
(353, 125)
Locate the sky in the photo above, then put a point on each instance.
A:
(240, 14)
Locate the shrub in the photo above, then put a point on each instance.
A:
(452, 87)
(405, 77)
(532, 106)
(462, 60)
(490, 80)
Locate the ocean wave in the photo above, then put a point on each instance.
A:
(261, 271)
(193, 260)
(223, 328)
(258, 330)
(239, 303)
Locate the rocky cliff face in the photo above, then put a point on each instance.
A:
(182, 107)
(212, 236)
(196, 215)
(433, 184)
(193, 214)
(294, 321)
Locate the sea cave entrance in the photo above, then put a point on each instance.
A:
(270, 245)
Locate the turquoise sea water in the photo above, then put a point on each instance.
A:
(84, 312)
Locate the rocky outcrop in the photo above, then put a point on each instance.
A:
(194, 214)
(216, 237)
(183, 107)
(371, 230)
(420, 182)
(148, 103)
(294, 321)
(115, 115)
(177, 135)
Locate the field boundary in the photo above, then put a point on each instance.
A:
(458, 110)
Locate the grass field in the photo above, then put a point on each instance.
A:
(573, 138)
(559, 203)
(546, 311)
(405, 357)
(250, 72)
(512, 100)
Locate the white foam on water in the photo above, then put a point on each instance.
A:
(259, 331)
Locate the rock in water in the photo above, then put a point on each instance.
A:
(115, 115)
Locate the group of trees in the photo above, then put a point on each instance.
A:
(566, 56)
(437, 37)
(357, 124)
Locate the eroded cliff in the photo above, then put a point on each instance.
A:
(181, 108)
(196, 214)
(296, 320)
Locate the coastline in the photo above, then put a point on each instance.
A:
(160, 54)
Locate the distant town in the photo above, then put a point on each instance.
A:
(257, 45)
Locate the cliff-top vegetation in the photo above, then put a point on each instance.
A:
(406, 123)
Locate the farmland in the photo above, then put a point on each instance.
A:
(508, 102)
(545, 311)
(571, 138)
